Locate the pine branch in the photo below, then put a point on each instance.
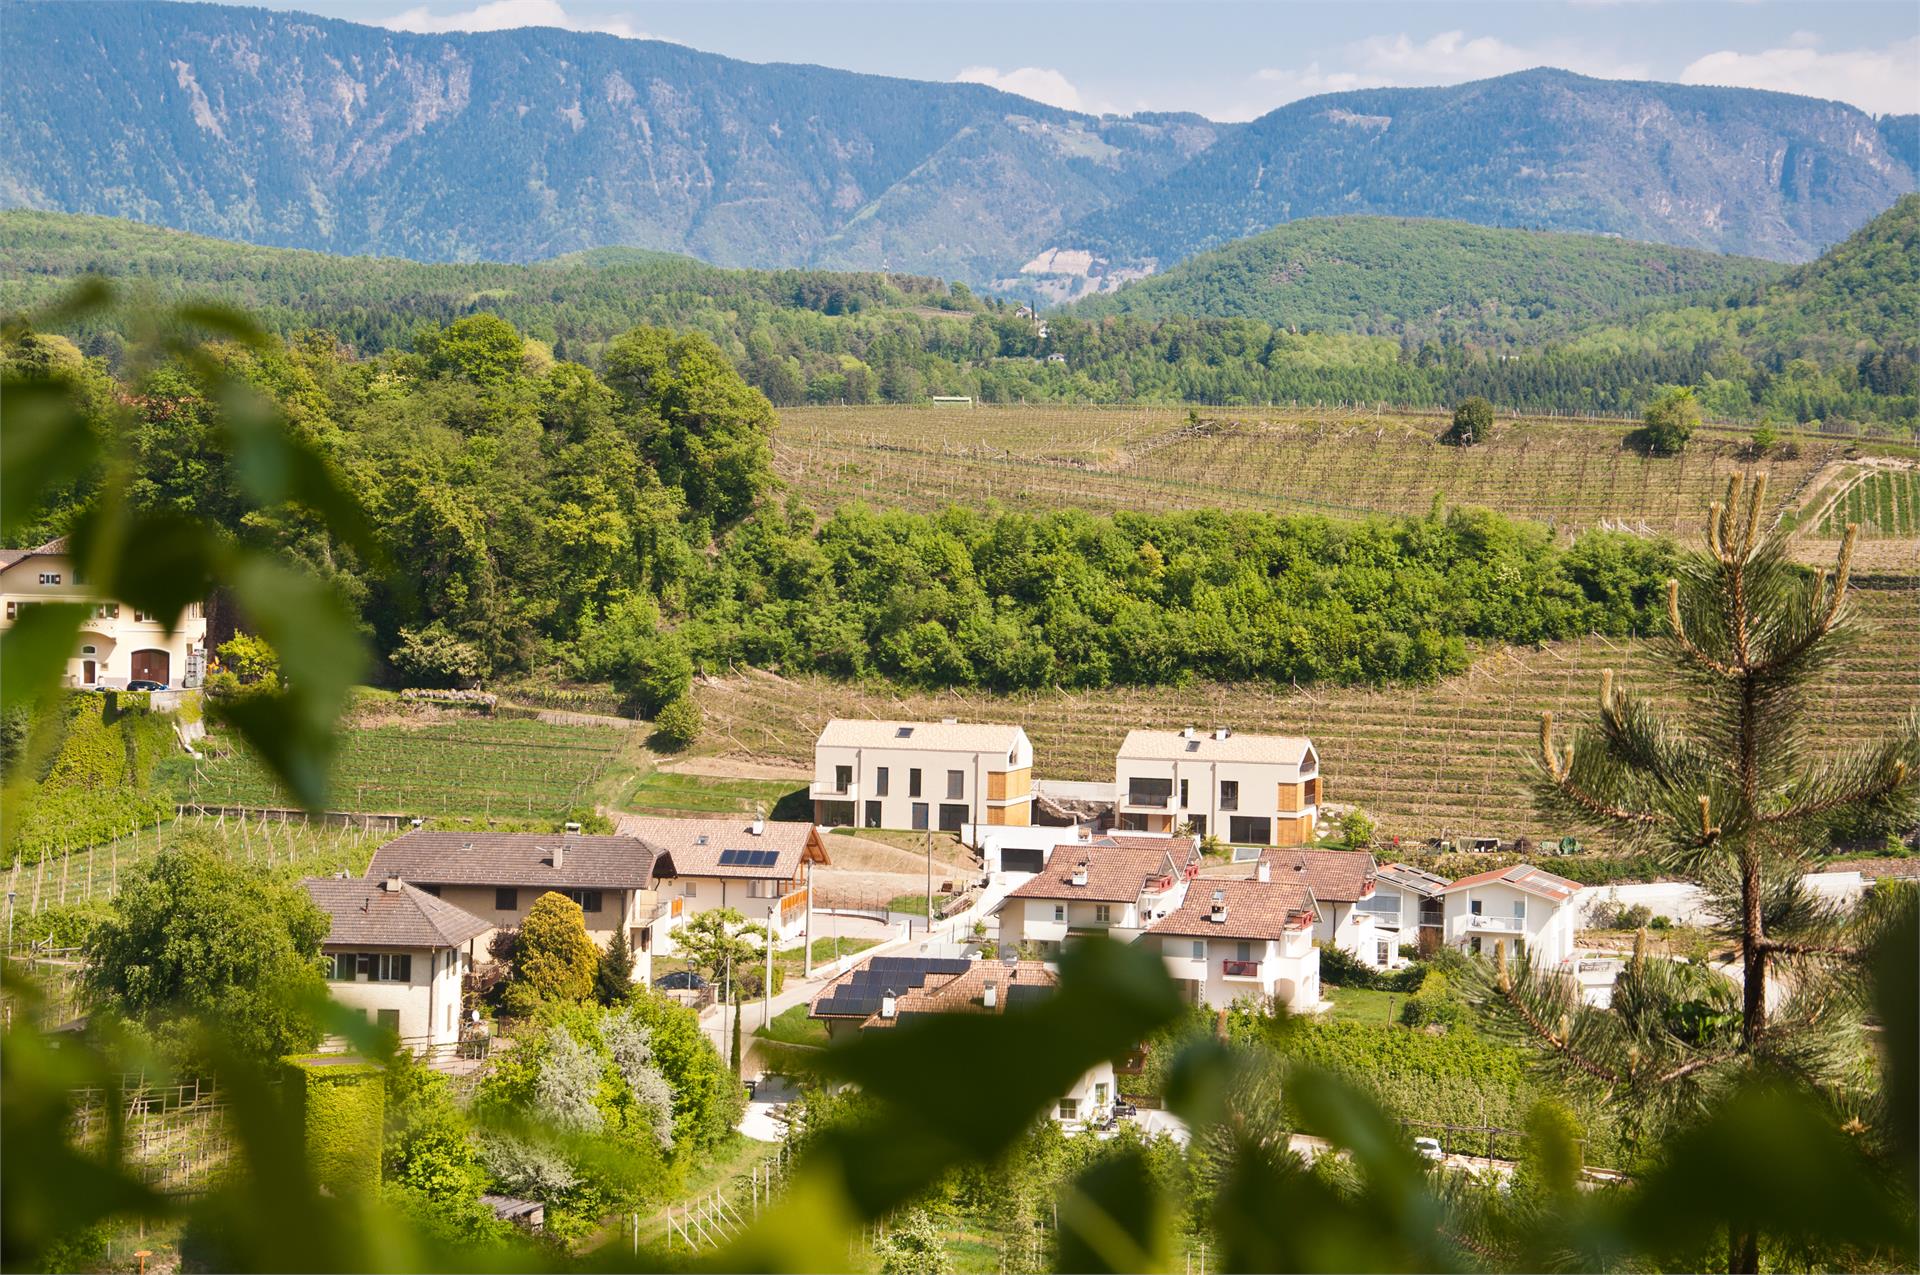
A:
(1556, 1043)
(1839, 801)
(1686, 1069)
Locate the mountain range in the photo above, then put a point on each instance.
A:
(287, 129)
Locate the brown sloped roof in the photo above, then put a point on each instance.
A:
(694, 847)
(1334, 876)
(516, 859)
(1255, 910)
(1521, 876)
(1114, 875)
(366, 914)
(58, 545)
(966, 993)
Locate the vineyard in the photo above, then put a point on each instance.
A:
(1883, 502)
(451, 764)
(1425, 760)
(1288, 461)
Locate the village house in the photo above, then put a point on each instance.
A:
(887, 992)
(1261, 790)
(1344, 885)
(397, 954)
(915, 775)
(1407, 909)
(1521, 909)
(760, 868)
(116, 645)
(1232, 940)
(498, 876)
(1109, 884)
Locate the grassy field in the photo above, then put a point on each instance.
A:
(1364, 1004)
(792, 1027)
(1570, 474)
(434, 763)
(660, 793)
(1424, 760)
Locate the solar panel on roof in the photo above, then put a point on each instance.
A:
(848, 1003)
(1027, 994)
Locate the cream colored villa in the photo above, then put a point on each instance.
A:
(1261, 790)
(915, 775)
(398, 955)
(117, 644)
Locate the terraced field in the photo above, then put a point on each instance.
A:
(1882, 502)
(1573, 475)
(1450, 757)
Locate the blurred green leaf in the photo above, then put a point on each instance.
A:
(160, 562)
(1113, 1219)
(46, 443)
(35, 650)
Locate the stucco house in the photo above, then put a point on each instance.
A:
(1233, 940)
(398, 954)
(1261, 790)
(1110, 884)
(1522, 909)
(1344, 884)
(912, 775)
(760, 868)
(1406, 907)
(116, 644)
(497, 876)
(888, 992)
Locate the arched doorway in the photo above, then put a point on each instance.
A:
(152, 666)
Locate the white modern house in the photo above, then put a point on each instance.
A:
(761, 868)
(1521, 909)
(1234, 940)
(914, 775)
(116, 644)
(1111, 884)
(1406, 908)
(398, 954)
(1261, 790)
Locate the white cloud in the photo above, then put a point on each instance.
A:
(503, 15)
(1884, 81)
(1041, 83)
(1451, 57)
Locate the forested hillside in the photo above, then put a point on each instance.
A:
(303, 131)
(1447, 281)
(1543, 148)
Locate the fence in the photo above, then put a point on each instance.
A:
(173, 1137)
(711, 1220)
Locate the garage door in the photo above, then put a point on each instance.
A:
(151, 666)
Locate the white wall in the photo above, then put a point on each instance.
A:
(1289, 969)
(429, 1003)
(1259, 795)
(896, 805)
(1684, 903)
(703, 894)
(1548, 930)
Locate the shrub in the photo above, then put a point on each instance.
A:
(435, 656)
(249, 659)
(914, 1247)
(1472, 422)
(1357, 827)
(1342, 968)
(343, 1108)
(613, 973)
(1435, 1004)
(1670, 421)
(1660, 923)
(553, 959)
(677, 726)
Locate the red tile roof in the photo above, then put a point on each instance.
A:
(692, 847)
(1254, 910)
(1335, 876)
(516, 859)
(1114, 875)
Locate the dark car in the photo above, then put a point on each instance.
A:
(680, 981)
(142, 684)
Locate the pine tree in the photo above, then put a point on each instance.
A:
(1736, 794)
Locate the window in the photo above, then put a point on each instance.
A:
(919, 811)
(1199, 949)
(13, 609)
(142, 617)
(1143, 791)
(1473, 906)
(107, 611)
(1248, 831)
(1229, 794)
(1199, 823)
(388, 1020)
(49, 577)
(952, 816)
(689, 890)
(1380, 954)
(589, 900)
(1474, 943)
(1059, 911)
(1100, 1094)
(1069, 1108)
(89, 650)
(842, 778)
(506, 899)
(880, 784)
(385, 967)
(1243, 951)
(1103, 914)
(956, 784)
(1519, 909)
(341, 967)
(873, 812)
(913, 784)
(1385, 907)
(1183, 794)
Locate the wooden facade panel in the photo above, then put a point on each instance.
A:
(1003, 785)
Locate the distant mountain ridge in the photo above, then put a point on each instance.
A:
(1730, 170)
(285, 129)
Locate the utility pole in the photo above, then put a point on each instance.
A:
(766, 992)
(929, 884)
(806, 957)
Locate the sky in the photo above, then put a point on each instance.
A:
(1234, 61)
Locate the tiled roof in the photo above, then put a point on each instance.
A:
(1415, 879)
(958, 737)
(1173, 745)
(1115, 874)
(1255, 910)
(367, 914)
(8, 557)
(517, 859)
(1521, 876)
(1335, 876)
(1018, 984)
(693, 847)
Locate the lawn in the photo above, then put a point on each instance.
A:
(911, 904)
(793, 1027)
(825, 951)
(1363, 1004)
(661, 793)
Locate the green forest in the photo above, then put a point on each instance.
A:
(1831, 342)
(627, 527)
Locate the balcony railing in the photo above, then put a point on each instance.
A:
(1157, 800)
(1432, 916)
(1240, 969)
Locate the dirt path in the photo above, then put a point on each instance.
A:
(865, 854)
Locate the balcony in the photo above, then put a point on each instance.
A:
(1149, 800)
(1240, 969)
(818, 791)
(1497, 924)
(1432, 916)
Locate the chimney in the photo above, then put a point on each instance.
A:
(1221, 732)
(991, 996)
(1264, 872)
(392, 884)
(759, 825)
(1080, 873)
(1189, 733)
(1219, 914)
(573, 829)
(888, 1006)
(559, 856)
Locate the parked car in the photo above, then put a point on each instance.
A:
(1429, 1149)
(142, 684)
(680, 981)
